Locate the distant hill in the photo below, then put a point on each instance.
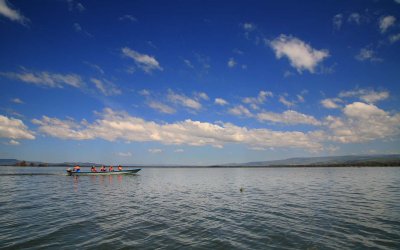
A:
(8, 162)
(326, 160)
(345, 160)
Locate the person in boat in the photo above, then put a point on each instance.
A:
(103, 169)
(93, 169)
(77, 168)
(119, 168)
(111, 169)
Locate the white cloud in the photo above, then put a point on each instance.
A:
(188, 63)
(386, 22)
(254, 102)
(155, 150)
(106, 87)
(366, 54)
(12, 14)
(202, 95)
(286, 102)
(220, 101)
(366, 95)
(363, 122)
(248, 26)
(17, 101)
(330, 103)
(72, 5)
(80, 7)
(145, 62)
(231, 63)
(77, 27)
(288, 117)
(14, 129)
(183, 100)
(95, 67)
(300, 54)
(113, 125)
(354, 18)
(161, 107)
(47, 79)
(394, 38)
(124, 154)
(144, 92)
(337, 21)
(13, 142)
(240, 110)
(128, 18)
(67, 129)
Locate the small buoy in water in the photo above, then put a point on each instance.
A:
(241, 189)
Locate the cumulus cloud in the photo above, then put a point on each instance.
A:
(13, 143)
(354, 18)
(231, 62)
(112, 125)
(145, 62)
(331, 103)
(220, 101)
(286, 102)
(124, 154)
(363, 122)
(366, 54)
(14, 129)
(240, 110)
(12, 14)
(144, 92)
(46, 79)
(202, 95)
(254, 102)
(161, 107)
(300, 54)
(17, 101)
(386, 22)
(183, 100)
(288, 117)
(155, 150)
(248, 26)
(188, 63)
(67, 129)
(73, 5)
(106, 87)
(128, 18)
(366, 95)
(394, 38)
(337, 21)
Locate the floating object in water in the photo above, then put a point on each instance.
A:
(241, 189)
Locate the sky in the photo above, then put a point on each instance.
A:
(198, 82)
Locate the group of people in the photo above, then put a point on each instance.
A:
(104, 169)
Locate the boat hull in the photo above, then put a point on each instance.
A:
(122, 172)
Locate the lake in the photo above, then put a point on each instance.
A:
(202, 208)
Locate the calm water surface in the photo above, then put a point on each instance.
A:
(279, 208)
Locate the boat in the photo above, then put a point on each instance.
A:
(122, 172)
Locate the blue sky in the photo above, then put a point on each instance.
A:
(198, 82)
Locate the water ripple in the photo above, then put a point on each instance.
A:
(203, 209)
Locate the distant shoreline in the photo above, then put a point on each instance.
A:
(358, 165)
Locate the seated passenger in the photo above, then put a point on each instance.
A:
(111, 169)
(103, 169)
(93, 169)
(119, 168)
(77, 169)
